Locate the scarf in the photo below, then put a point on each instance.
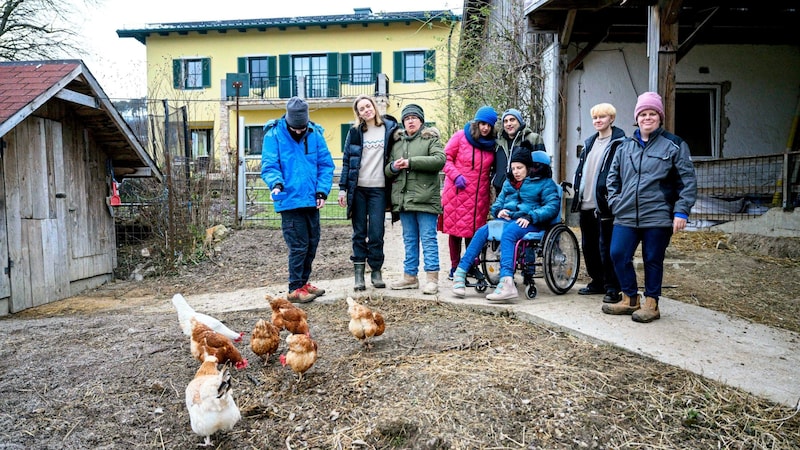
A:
(484, 143)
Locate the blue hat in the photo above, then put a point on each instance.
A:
(486, 114)
(540, 157)
(515, 113)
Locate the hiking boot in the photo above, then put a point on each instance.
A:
(358, 269)
(432, 286)
(648, 312)
(377, 280)
(313, 290)
(506, 290)
(612, 297)
(460, 282)
(626, 306)
(408, 282)
(300, 295)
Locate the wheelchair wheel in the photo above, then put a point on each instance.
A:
(481, 286)
(530, 293)
(561, 259)
(490, 262)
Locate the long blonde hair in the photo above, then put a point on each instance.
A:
(361, 123)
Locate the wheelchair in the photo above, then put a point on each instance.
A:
(552, 254)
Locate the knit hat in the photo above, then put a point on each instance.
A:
(515, 113)
(522, 155)
(413, 110)
(297, 113)
(649, 100)
(540, 157)
(486, 114)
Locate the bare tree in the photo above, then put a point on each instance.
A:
(38, 29)
(499, 62)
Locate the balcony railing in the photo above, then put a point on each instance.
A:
(317, 86)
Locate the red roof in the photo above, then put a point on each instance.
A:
(21, 83)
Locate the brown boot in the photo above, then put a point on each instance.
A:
(626, 306)
(648, 313)
(432, 286)
(408, 282)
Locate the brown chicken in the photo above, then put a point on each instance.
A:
(209, 399)
(207, 342)
(265, 339)
(301, 355)
(288, 317)
(364, 322)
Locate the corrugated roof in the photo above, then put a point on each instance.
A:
(284, 22)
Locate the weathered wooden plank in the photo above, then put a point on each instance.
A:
(32, 249)
(20, 293)
(61, 243)
(5, 278)
(37, 170)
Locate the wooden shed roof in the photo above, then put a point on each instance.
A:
(27, 85)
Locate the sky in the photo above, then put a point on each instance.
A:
(119, 63)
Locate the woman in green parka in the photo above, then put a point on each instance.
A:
(416, 160)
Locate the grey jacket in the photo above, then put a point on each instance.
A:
(648, 186)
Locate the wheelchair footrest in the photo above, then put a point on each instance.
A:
(533, 236)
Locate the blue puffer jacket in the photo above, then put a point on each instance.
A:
(648, 186)
(304, 169)
(537, 199)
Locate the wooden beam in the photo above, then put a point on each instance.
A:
(670, 10)
(578, 59)
(566, 30)
(77, 97)
(687, 45)
(667, 61)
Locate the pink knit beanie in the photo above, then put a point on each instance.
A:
(649, 100)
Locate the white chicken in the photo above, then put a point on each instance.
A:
(209, 399)
(186, 312)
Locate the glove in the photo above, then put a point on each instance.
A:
(461, 182)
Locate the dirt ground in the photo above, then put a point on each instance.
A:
(106, 370)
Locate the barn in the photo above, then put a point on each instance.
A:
(62, 143)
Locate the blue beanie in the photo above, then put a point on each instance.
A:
(486, 114)
(540, 157)
(516, 114)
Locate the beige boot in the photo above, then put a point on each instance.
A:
(506, 290)
(625, 306)
(408, 282)
(648, 312)
(432, 286)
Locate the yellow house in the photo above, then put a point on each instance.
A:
(401, 58)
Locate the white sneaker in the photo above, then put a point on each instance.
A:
(506, 290)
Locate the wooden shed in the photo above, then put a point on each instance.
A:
(61, 140)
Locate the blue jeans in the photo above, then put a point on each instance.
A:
(301, 231)
(368, 217)
(624, 241)
(511, 234)
(420, 227)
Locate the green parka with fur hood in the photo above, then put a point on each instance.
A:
(417, 189)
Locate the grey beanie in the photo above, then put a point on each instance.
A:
(297, 113)
(413, 110)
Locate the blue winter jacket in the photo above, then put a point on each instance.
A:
(538, 199)
(304, 169)
(648, 186)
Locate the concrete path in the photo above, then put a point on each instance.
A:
(762, 360)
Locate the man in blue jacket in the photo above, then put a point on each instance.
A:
(297, 167)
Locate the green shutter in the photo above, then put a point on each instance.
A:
(177, 74)
(333, 74)
(206, 62)
(398, 67)
(344, 128)
(376, 64)
(272, 69)
(285, 72)
(345, 66)
(430, 65)
(241, 64)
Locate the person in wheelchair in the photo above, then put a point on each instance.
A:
(529, 200)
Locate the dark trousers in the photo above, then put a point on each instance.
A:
(368, 217)
(611, 283)
(301, 231)
(590, 245)
(654, 246)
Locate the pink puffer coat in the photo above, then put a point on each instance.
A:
(465, 210)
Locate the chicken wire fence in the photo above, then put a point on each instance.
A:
(176, 212)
